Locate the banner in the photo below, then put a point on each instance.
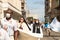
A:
(29, 35)
(55, 25)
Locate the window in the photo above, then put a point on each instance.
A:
(22, 7)
(58, 2)
(22, 4)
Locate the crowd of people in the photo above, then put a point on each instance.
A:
(9, 27)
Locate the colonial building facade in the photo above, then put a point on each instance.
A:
(16, 6)
(51, 9)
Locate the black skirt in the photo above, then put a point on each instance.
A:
(36, 29)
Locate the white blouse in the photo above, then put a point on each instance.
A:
(24, 26)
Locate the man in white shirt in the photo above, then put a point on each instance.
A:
(10, 26)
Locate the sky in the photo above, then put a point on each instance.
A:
(36, 7)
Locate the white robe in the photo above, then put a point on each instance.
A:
(24, 26)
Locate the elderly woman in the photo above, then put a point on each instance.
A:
(3, 34)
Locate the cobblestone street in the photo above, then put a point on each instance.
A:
(54, 36)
